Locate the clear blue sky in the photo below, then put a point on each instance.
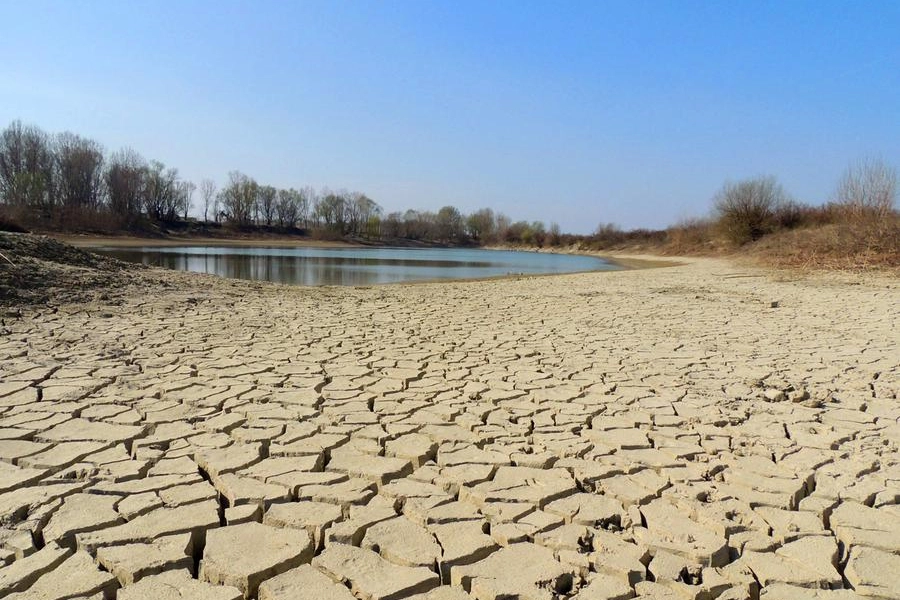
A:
(576, 112)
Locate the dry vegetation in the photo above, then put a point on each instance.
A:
(853, 243)
(858, 230)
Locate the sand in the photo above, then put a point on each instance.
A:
(697, 431)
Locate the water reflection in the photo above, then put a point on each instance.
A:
(355, 266)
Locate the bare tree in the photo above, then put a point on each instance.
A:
(392, 225)
(161, 194)
(27, 168)
(536, 234)
(125, 179)
(185, 196)
(362, 214)
(419, 225)
(746, 209)
(208, 195)
(868, 188)
(306, 202)
(449, 223)
(331, 211)
(79, 163)
(554, 234)
(287, 208)
(501, 226)
(314, 220)
(239, 198)
(268, 198)
(480, 225)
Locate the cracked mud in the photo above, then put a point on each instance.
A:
(694, 432)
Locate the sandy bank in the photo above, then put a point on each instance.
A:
(709, 427)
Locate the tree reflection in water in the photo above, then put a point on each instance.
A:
(354, 266)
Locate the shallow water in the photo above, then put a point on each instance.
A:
(354, 266)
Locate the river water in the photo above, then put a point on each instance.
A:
(354, 266)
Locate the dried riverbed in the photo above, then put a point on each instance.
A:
(699, 431)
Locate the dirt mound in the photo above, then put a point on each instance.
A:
(36, 269)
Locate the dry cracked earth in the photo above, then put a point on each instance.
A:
(694, 432)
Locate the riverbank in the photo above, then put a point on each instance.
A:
(40, 269)
(701, 430)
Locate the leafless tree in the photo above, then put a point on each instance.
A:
(268, 199)
(868, 188)
(331, 211)
(185, 197)
(554, 235)
(449, 223)
(536, 234)
(161, 194)
(392, 225)
(238, 198)
(27, 168)
(125, 179)
(287, 208)
(363, 214)
(208, 195)
(419, 225)
(79, 164)
(501, 226)
(306, 202)
(353, 207)
(746, 209)
(480, 225)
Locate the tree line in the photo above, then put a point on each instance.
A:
(67, 181)
(51, 178)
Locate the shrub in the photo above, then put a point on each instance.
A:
(607, 235)
(868, 189)
(790, 215)
(746, 210)
(843, 244)
(689, 236)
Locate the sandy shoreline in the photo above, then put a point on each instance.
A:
(702, 430)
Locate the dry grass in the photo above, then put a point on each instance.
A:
(830, 237)
(691, 237)
(836, 236)
(853, 244)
